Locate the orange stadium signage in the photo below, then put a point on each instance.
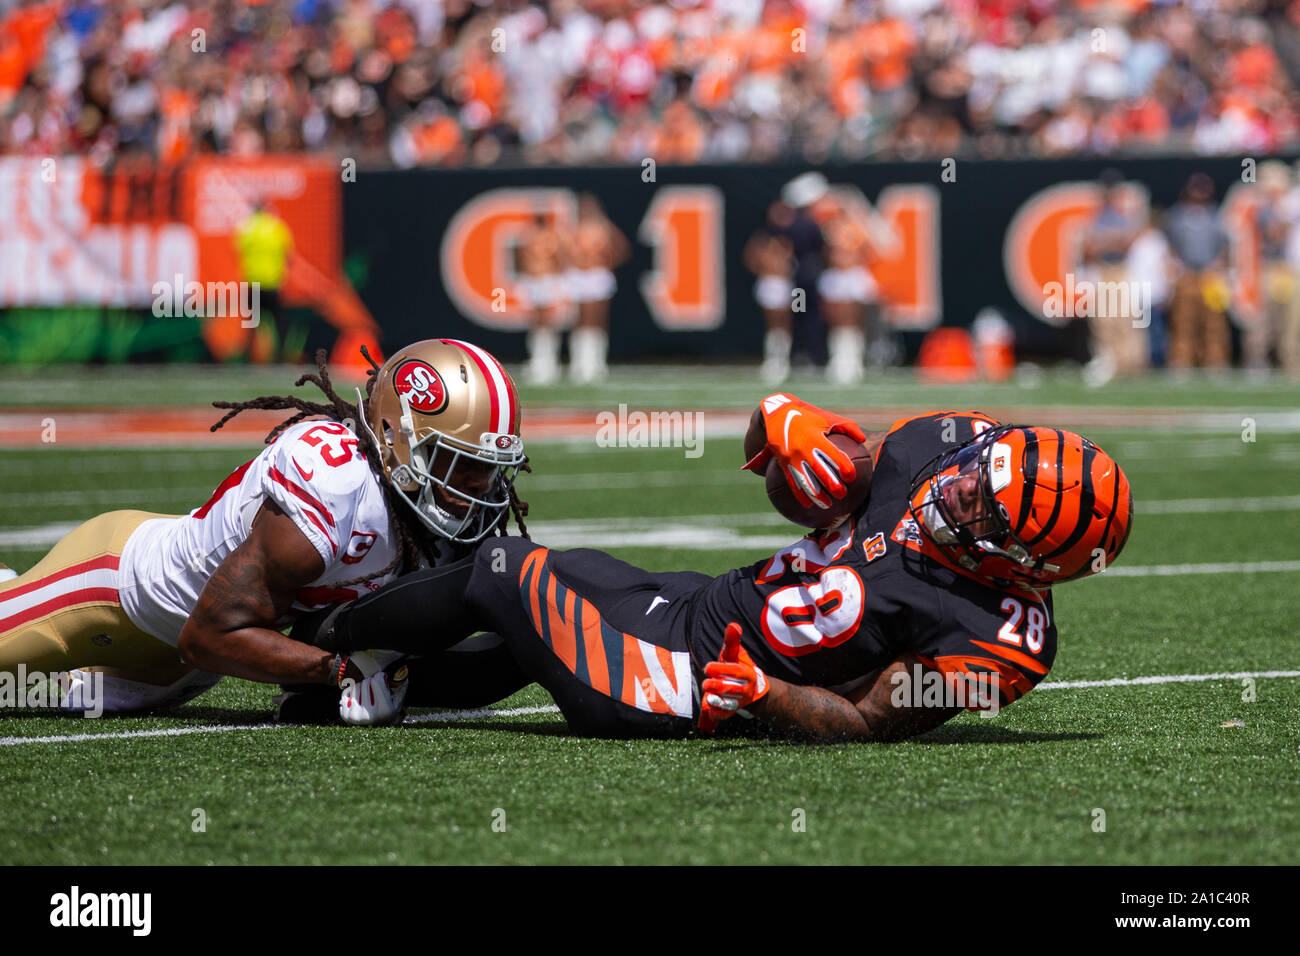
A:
(1042, 242)
(74, 234)
(903, 250)
(683, 225)
(478, 251)
(684, 228)
(684, 290)
(78, 235)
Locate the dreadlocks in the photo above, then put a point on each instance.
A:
(414, 540)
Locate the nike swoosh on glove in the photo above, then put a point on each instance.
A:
(798, 437)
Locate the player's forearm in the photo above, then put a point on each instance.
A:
(813, 712)
(872, 714)
(256, 654)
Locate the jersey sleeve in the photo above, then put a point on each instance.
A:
(996, 650)
(937, 432)
(316, 476)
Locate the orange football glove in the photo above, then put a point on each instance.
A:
(797, 436)
(732, 682)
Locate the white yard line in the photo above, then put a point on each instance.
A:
(1187, 506)
(199, 493)
(1175, 570)
(694, 477)
(441, 717)
(681, 536)
(104, 462)
(488, 712)
(1161, 679)
(690, 532)
(39, 537)
(138, 497)
(693, 538)
(133, 734)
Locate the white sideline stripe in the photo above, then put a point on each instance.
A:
(105, 496)
(694, 538)
(635, 479)
(457, 715)
(89, 463)
(132, 734)
(587, 531)
(685, 537)
(441, 717)
(1171, 570)
(1186, 506)
(1169, 506)
(199, 493)
(42, 536)
(1161, 679)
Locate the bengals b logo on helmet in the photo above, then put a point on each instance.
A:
(419, 383)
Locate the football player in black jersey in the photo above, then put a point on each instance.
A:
(932, 596)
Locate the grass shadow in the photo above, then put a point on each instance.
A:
(984, 734)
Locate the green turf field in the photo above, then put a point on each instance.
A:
(1185, 771)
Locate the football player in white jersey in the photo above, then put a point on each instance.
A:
(154, 609)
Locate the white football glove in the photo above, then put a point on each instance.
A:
(380, 697)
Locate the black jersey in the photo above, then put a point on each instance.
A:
(837, 605)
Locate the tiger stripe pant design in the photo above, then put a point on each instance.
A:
(642, 675)
(608, 640)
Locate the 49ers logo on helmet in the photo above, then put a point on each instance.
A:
(421, 385)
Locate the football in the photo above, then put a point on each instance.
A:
(783, 499)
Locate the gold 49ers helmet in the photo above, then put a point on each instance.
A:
(445, 416)
(1025, 505)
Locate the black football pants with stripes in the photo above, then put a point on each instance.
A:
(607, 640)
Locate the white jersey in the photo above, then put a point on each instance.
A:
(315, 473)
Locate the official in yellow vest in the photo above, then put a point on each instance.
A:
(264, 243)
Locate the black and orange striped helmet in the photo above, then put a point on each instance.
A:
(1025, 505)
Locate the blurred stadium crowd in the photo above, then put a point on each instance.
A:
(454, 82)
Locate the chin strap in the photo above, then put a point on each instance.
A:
(365, 422)
(406, 423)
